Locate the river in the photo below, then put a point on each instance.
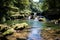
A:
(35, 30)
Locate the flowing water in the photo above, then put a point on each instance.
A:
(29, 17)
(35, 30)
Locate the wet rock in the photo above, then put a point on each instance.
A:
(19, 28)
(48, 26)
(20, 39)
(58, 32)
(57, 39)
(55, 35)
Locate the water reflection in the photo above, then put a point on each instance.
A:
(35, 30)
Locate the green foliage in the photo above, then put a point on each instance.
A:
(22, 4)
(8, 7)
(51, 9)
(45, 5)
(34, 6)
(51, 4)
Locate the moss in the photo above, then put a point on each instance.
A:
(21, 25)
(8, 31)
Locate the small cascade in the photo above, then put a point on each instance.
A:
(29, 17)
(36, 19)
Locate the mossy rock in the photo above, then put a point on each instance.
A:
(19, 26)
(9, 31)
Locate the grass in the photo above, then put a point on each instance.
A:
(11, 22)
(51, 25)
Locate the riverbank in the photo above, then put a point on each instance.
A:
(14, 34)
(8, 31)
(53, 34)
(50, 31)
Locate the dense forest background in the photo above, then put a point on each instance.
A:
(10, 8)
(53, 10)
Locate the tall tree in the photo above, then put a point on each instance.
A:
(53, 9)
